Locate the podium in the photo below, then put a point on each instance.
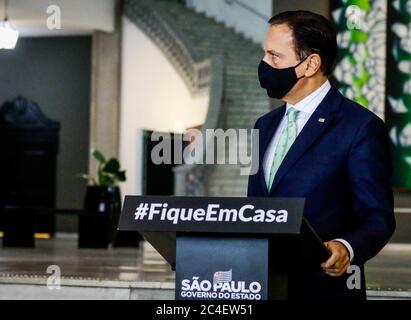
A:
(228, 248)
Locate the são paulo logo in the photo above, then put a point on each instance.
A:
(222, 286)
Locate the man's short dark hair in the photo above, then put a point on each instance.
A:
(313, 33)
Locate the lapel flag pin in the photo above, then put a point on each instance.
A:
(321, 120)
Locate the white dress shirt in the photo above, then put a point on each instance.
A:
(306, 106)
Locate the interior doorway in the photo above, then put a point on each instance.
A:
(158, 179)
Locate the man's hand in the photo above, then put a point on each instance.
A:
(339, 261)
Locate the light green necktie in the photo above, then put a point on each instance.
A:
(288, 135)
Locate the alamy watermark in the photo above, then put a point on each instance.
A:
(211, 146)
(354, 280)
(54, 280)
(354, 16)
(53, 21)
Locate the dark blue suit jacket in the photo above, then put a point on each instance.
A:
(342, 167)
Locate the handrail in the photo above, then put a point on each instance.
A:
(203, 75)
(195, 74)
(190, 179)
(248, 8)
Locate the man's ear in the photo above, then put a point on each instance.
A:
(313, 65)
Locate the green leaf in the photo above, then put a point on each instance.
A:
(121, 175)
(112, 166)
(359, 36)
(107, 180)
(108, 172)
(363, 4)
(98, 156)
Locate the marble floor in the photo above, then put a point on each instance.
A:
(391, 269)
(389, 272)
(113, 264)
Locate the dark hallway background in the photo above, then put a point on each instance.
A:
(55, 73)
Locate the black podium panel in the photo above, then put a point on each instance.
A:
(212, 214)
(221, 268)
(228, 248)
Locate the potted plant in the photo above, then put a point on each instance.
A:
(102, 204)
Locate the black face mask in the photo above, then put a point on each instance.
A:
(277, 82)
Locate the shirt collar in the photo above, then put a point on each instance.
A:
(311, 102)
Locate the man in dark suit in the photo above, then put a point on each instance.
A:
(325, 148)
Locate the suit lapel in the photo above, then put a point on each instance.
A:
(266, 135)
(311, 132)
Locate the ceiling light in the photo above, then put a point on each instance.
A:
(8, 32)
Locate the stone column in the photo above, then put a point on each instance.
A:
(105, 91)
